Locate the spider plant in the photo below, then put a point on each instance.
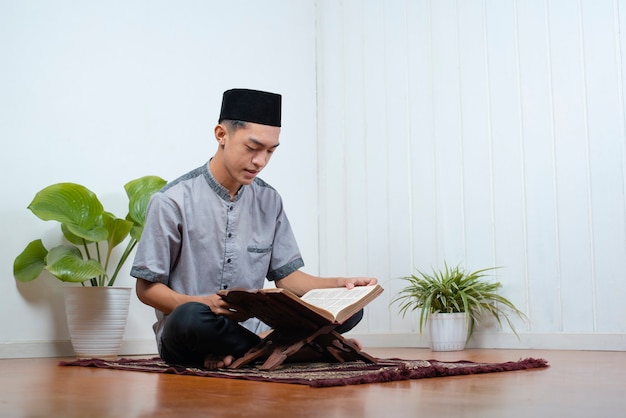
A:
(452, 290)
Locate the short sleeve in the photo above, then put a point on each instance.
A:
(160, 242)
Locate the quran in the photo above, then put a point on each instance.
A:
(300, 323)
(280, 308)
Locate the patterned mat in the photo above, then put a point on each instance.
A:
(323, 374)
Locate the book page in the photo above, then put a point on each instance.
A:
(335, 299)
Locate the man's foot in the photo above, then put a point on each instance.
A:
(355, 342)
(214, 362)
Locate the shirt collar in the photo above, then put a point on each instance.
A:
(217, 187)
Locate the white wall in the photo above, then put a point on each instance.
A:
(102, 92)
(487, 133)
(479, 132)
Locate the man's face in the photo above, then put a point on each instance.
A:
(248, 150)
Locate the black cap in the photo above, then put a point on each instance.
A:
(251, 106)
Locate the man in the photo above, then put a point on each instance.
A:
(220, 227)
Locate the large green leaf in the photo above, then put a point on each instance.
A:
(117, 228)
(139, 192)
(70, 236)
(31, 262)
(73, 205)
(66, 263)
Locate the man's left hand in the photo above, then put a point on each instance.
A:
(359, 281)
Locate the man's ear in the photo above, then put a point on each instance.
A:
(221, 134)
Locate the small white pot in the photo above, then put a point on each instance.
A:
(96, 317)
(448, 331)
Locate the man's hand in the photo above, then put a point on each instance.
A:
(357, 281)
(300, 282)
(161, 297)
(220, 307)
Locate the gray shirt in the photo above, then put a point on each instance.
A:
(196, 241)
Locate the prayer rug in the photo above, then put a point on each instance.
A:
(322, 374)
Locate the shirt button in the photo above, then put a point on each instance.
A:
(225, 286)
(230, 235)
(228, 261)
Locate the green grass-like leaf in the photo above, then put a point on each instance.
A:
(451, 290)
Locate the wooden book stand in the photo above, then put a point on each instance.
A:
(299, 334)
(324, 344)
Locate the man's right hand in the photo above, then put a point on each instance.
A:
(161, 297)
(220, 307)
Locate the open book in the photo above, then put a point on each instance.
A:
(280, 308)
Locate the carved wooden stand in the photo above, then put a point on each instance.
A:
(325, 342)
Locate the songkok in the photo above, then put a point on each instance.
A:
(251, 106)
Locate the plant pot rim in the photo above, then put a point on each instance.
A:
(95, 288)
(449, 313)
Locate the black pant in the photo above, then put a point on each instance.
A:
(192, 332)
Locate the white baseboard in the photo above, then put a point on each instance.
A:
(36, 349)
(531, 341)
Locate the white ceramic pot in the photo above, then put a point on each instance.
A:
(96, 317)
(448, 331)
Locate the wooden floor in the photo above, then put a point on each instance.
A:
(578, 384)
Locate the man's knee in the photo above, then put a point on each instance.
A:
(350, 323)
(187, 317)
(190, 309)
(194, 328)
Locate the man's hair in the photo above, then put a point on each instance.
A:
(233, 125)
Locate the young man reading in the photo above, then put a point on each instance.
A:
(219, 227)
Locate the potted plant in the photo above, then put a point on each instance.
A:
(88, 258)
(452, 301)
